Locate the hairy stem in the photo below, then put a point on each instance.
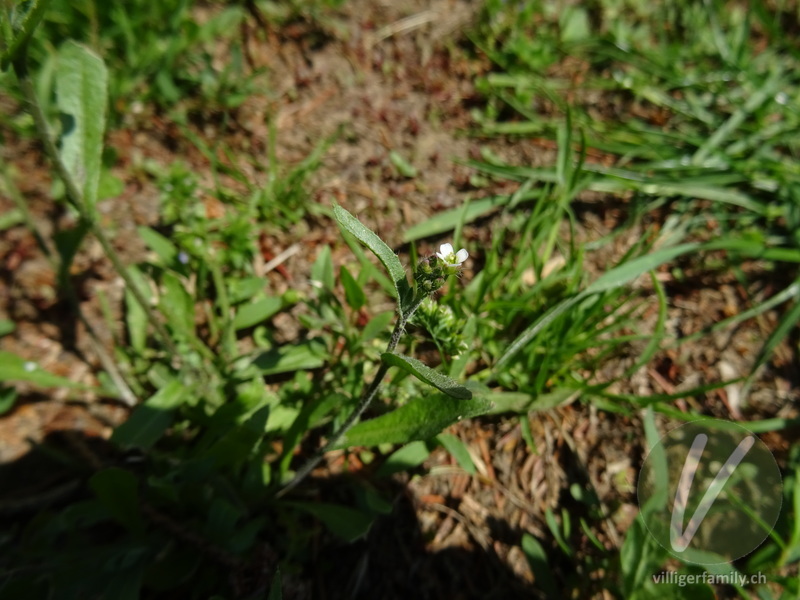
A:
(363, 404)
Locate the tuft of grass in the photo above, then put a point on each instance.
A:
(687, 113)
(156, 53)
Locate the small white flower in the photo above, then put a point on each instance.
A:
(450, 258)
(29, 367)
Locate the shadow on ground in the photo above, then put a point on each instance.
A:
(47, 541)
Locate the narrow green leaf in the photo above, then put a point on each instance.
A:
(343, 521)
(177, 305)
(409, 456)
(162, 246)
(792, 551)
(420, 419)
(236, 445)
(135, 317)
(537, 559)
(459, 363)
(458, 450)
(449, 219)
(117, 490)
(310, 415)
(660, 472)
(68, 242)
(630, 270)
(355, 296)
(243, 289)
(378, 247)
(658, 331)
(275, 590)
(564, 163)
(640, 555)
(15, 368)
(322, 270)
(368, 268)
(149, 421)
(299, 357)
(82, 92)
(257, 312)
(376, 326)
(11, 218)
(574, 24)
(521, 402)
(405, 168)
(766, 91)
(555, 529)
(533, 330)
(422, 371)
(136, 320)
(6, 327)
(8, 396)
(616, 277)
(787, 323)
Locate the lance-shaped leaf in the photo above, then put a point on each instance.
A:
(379, 248)
(15, 368)
(151, 419)
(82, 92)
(343, 521)
(422, 371)
(421, 419)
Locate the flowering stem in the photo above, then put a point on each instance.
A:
(363, 404)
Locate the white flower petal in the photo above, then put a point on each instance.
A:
(445, 250)
(462, 255)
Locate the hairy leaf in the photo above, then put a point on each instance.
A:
(378, 247)
(419, 369)
(420, 419)
(82, 92)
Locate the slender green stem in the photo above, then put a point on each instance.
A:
(363, 404)
(77, 200)
(228, 334)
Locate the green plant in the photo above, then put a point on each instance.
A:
(160, 54)
(199, 514)
(199, 491)
(685, 120)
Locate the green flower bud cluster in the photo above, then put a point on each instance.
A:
(429, 275)
(443, 325)
(432, 271)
